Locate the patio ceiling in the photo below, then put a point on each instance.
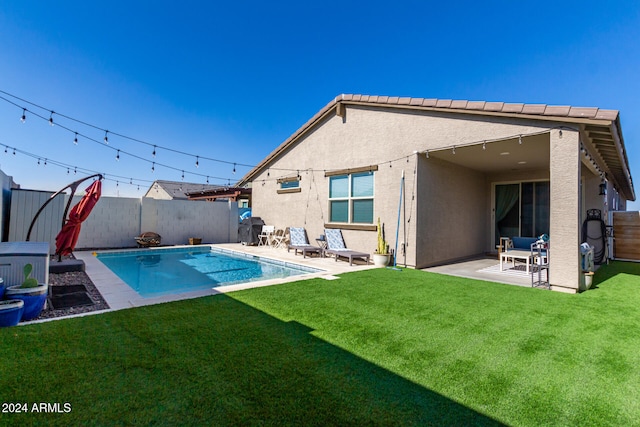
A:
(500, 156)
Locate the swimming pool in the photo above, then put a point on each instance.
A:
(158, 272)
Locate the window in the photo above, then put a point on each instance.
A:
(289, 185)
(351, 198)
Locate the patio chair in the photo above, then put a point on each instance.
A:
(336, 247)
(264, 238)
(298, 242)
(279, 238)
(147, 239)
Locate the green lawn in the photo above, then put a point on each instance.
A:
(378, 347)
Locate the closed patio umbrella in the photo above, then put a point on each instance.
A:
(68, 236)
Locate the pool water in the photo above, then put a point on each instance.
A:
(159, 272)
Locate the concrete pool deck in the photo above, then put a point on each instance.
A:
(120, 296)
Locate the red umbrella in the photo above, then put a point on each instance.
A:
(68, 236)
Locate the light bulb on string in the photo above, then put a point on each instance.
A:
(183, 175)
(117, 184)
(234, 169)
(45, 162)
(118, 156)
(38, 160)
(484, 145)
(427, 153)
(268, 173)
(520, 139)
(75, 139)
(197, 161)
(67, 171)
(207, 179)
(51, 118)
(138, 187)
(75, 170)
(153, 167)
(154, 151)
(454, 150)
(106, 137)
(14, 151)
(131, 181)
(5, 149)
(24, 115)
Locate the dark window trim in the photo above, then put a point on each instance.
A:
(289, 179)
(372, 168)
(346, 226)
(290, 190)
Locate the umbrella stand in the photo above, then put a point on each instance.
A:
(73, 186)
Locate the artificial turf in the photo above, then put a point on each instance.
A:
(377, 347)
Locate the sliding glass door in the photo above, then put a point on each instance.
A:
(521, 209)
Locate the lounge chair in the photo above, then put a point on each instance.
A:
(336, 247)
(298, 242)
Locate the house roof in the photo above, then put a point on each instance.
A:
(219, 193)
(178, 189)
(600, 128)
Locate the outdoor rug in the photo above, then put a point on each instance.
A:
(520, 270)
(69, 296)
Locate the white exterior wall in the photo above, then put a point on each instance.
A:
(178, 220)
(115, 221)
(24, 206)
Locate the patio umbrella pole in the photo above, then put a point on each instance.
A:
(73, 187)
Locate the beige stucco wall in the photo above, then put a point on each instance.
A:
(451, 213)
(565, 216)
(388, 138)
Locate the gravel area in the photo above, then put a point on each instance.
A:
(74, 278)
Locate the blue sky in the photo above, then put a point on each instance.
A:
(231, 81)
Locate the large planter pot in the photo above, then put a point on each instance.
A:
(11, 312)
(381, 260)
(33, 298)
(2, 287)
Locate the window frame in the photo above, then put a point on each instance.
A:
(350, 174)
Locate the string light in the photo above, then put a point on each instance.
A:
(67, 171)
(75, 170)
(207, 179)
(183, 175)
(106, 137)
(117, 155)
(197, 161)
(45, 162)
(5, 149)
(427, 153)
(234, 169)
(24, 115)
(520, 139)
(454, 150)
(38, 160)
(153, 167)
(154, 151)
(131, 181)
(484, 145)
(75, 140)
(51, 118)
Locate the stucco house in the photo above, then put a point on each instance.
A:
(474, 171)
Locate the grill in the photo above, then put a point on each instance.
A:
(249, 229)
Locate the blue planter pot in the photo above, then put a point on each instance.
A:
(11, 312)
(33, 298)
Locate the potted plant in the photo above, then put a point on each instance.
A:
(11, 312)
(381, 256)
(32, 293)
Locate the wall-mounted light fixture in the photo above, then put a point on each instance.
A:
(603, 189)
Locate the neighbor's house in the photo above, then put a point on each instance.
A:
(176, 190)
(474, 171)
